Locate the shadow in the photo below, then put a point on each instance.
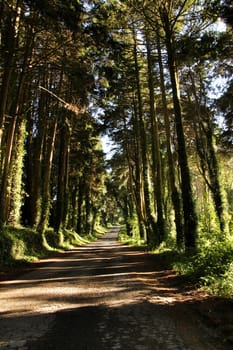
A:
(138, 325)
(107, 296)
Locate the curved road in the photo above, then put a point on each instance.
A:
(101, 296)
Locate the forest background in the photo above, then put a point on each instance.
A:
(156, 78)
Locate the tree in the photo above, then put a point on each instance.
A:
(203, 128)
(168, 16)
(156, 156)
(177, 206)
(16, 106)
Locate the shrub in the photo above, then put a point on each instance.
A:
(211, 267)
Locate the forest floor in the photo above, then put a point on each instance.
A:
(107, 296)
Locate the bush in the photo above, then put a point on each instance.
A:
(220, 285)
(211, 268)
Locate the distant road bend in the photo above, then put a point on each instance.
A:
(102, 296)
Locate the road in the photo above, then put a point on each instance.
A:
(101, 296)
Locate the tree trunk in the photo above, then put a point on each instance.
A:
(47, 167)
(36, 182)
(80, 205)
(175, 196)
(62, 177)
(9, 42)
(138, 188)
(15, 110)
(148, 218)
(156, 155)
(4, 183)
(87, 210)
(190, 218)
(13, 213)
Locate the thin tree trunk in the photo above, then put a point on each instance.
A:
(156, 156)
(62, 177)
(175, 196)
(45, 196)
(74, 205)
(138, 189)
(127, 208)
(80, 205)
(87, 210)
(148, 219)
(35, 195)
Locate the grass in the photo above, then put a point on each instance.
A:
(23, 245)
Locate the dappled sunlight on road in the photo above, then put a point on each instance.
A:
(104, 280)
(103, 272)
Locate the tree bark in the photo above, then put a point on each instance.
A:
(14, 111)
(62, 189)
(14, 196)
(138, 181)
(190, 218)
(175, 196)
(47, 167)
(150, 226)
(9, 42)
(156, 154)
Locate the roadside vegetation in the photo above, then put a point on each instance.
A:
(24, 245)
(210, 268)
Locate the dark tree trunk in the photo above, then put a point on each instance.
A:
(156, 155)
(190, 218)
(149, 223)
(175, 196)
(62, 177)
(9, 43)
(47, 168)
(137, 178)
(80, 206)
(15, 111)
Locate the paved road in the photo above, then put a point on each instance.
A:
(101, 296)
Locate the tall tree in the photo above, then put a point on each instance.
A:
(156, 152)
(177, 206)
(190, 218)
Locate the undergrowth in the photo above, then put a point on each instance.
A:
(210, 268)
(23, 245)
(133, 240)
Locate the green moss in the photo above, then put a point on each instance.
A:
(22, 244)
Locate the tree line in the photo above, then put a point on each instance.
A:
(156, 77)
